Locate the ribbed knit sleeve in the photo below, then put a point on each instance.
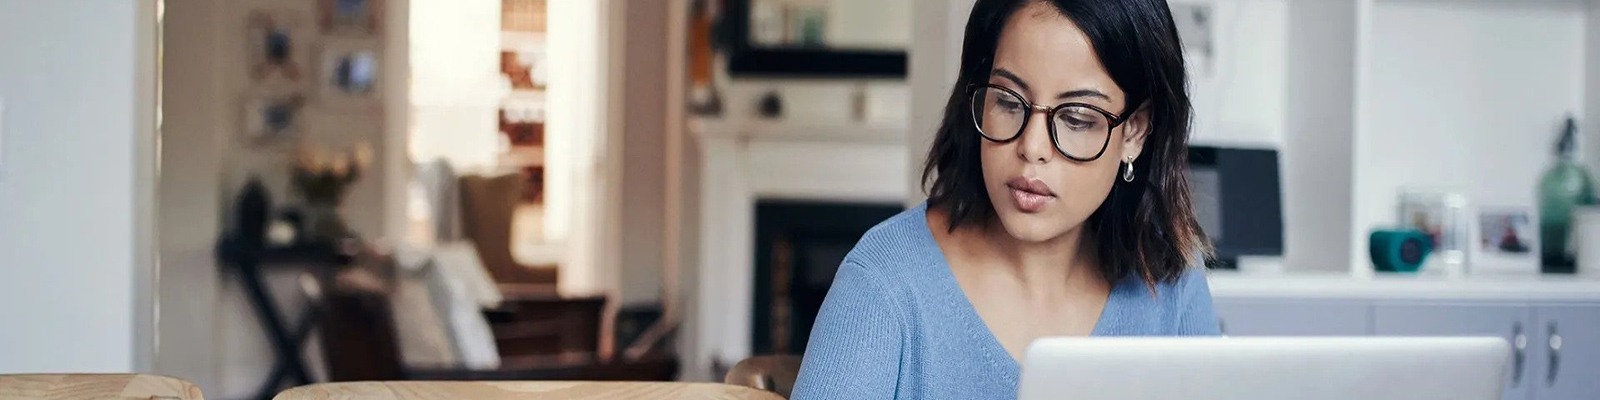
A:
(855, 347)
(1196, 317)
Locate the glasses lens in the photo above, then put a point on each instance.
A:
(1081, 131)
(998, 114)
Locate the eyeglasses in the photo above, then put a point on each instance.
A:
(1079, 131)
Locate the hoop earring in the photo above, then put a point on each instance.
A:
(1127, 174)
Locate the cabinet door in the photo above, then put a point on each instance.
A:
(1567, 342)
(1286, 317)
(1515, 323)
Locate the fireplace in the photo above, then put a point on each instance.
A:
(854, 175)
(798, 248)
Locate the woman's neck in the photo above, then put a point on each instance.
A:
(1067, 261)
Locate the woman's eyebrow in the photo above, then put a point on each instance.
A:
(1079, 93)
(1082, 93)
(1003, 73)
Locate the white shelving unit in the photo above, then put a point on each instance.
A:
(1461, 96)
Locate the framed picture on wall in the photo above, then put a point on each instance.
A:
(350, 74)
(272, 118)
(278, 47)
(351, 17)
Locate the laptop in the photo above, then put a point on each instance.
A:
(1369, 368)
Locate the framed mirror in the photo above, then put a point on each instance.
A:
(817, 38)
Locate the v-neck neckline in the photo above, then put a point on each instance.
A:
(970, 312)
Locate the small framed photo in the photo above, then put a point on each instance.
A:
(350, 76)
(278, 47)
(351, 17)
(1506, 242)
(1442, 216)
(272, 118)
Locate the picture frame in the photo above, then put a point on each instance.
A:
(279, 46)
(272, 118)
(350, 75)
(351, 17)
(1443, 217)
(1505, 241)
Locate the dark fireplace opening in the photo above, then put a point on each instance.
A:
(799, 245)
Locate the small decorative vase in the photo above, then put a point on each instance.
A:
(323, 223)
(1564, 187)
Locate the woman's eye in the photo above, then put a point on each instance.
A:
(1078, 120)
(1009, 106)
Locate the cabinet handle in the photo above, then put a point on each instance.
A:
(1555, 355)
(1519, 343)
(1222, 326)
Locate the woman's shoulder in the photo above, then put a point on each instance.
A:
(1179, 306)
(1190, 282)
(896, 244)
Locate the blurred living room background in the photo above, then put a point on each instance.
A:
(259, 194)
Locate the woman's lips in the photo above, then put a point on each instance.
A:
(1030, 195)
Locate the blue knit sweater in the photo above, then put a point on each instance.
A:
(896, 325)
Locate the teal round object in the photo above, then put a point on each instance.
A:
(1399, 250)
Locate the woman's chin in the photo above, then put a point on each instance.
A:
(1031, 228)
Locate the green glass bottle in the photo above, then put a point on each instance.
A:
(1566, 186)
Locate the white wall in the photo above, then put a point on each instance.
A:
(1320, 122)
(576, 137)
(76, 93)
(1463, 96)
(191, 198)
(934, 60)
(1239, 94)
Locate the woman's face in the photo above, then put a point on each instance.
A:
(1037, 193)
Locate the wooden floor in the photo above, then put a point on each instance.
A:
(525, 391)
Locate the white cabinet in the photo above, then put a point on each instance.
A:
(1513, 322)
(1556, 347)
(1566, 345)
(1555, 319)
(1267, 317)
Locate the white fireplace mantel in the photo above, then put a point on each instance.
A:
(746, 161)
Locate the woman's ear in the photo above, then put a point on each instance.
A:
(1134, 132)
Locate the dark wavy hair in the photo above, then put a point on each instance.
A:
(1145, 227)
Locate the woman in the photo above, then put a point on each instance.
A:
(1059, 206)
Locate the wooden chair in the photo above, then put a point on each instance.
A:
(770, 373)
(488, 205)
(524, 390)
(96, 386)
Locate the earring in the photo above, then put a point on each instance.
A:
(1127, 174)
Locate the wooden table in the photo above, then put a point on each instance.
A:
(525, 390)
(289, 368)
(96, 386)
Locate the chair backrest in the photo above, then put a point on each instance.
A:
(488, 205)
(524, 391)
(96, 386)
(771, 373)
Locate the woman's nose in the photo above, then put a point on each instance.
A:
(1035, 146)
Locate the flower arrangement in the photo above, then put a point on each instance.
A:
(321, 177)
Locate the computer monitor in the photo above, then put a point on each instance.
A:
(1237, 198)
